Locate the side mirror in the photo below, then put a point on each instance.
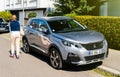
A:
(44, 30)
(32, 24)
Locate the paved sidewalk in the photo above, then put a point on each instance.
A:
(112, 63)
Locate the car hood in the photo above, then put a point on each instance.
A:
(83, 37)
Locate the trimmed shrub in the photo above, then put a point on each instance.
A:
(109, 26)
(5, 15)
(32, 14)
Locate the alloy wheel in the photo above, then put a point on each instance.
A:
(55, 59)
(25, 46)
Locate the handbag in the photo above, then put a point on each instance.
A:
(21, 31)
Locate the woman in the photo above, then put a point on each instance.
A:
(15, 37)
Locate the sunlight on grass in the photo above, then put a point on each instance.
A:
(106, 74)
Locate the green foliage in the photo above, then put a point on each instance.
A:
(105, 73)
(70, 15)
(5, 15)
(32, 14)
(55, 14)
(83, 7)
(109, 26)
(73, 6)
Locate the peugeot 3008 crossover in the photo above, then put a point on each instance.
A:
(63, 39)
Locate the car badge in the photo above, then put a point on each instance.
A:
(94, 46)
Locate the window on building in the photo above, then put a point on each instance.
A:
(19, 1)
(7, 2)
(33, 0)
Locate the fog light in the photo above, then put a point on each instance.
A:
(73, 57)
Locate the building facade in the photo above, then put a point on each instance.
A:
(22, 8)
(2, 7)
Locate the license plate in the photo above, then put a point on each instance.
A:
(2, 28)
(94, 52)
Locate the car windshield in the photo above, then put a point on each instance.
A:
(60, 26)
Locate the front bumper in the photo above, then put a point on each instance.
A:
(90, 59)
(4, 29)
(84, 57)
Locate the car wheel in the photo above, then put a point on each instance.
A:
(25, 46)
(55, 59)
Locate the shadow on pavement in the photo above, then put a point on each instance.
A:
(76, 68)
(4, 32)
(67, 67)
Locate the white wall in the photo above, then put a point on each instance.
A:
(104, 9)
(2, 5)
(43, 3)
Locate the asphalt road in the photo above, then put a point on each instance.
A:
(34, 65)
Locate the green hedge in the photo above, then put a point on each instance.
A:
(109, 26)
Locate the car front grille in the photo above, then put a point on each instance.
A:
(99, 56)
(92, 46)
(2, 26)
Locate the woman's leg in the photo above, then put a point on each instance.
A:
(17, 46)
(12, 45)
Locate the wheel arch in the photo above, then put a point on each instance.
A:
(56, 47)
(24, 37)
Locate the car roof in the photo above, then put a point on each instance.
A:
(53, 18)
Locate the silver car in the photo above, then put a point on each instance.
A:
(64, 40)
(3, 26)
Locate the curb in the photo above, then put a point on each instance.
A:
(110, 70)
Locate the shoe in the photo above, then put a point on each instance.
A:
(11, 55)
(17, 57)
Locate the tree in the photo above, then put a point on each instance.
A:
(32, 14)
(5, 15)
(73, 6)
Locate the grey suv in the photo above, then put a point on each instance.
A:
(63, 40)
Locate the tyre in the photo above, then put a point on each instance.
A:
(55, 59)
(26, 46)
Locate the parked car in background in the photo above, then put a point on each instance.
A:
(3, 26)
(64, 40)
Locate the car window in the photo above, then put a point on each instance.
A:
(42, 25)
(58, 25)
(65, 26)
(34, 23)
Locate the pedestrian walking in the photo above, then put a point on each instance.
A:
(15, 37)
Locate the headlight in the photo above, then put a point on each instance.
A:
(105, 42)
(71, 44)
